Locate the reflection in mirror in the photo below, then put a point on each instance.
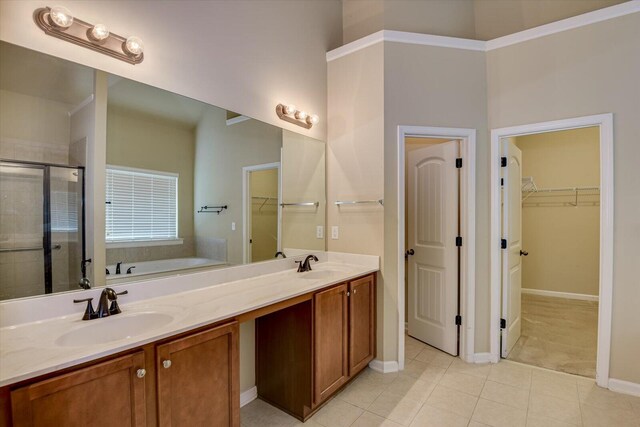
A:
(42, 163)
(188, 185)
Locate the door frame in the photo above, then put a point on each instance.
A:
(605, 124)
(247, 204)
(467, 293)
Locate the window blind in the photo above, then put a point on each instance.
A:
(64, 211)
(141, 205)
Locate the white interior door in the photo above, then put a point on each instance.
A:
(511, 256)
(432, 228)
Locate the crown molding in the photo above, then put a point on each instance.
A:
(585, 19)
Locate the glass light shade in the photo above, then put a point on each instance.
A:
(313, 119)
(99, 32)
(289, 109)
(301, 115)
(134, 46)
(61, 17)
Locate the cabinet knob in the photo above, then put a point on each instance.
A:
(348, 293)
(354, 291)
(140, 373)
(166, 364)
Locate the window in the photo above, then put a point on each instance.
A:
(141, 205)
(64, 211)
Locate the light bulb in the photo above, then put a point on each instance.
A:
(313, 119)
(133, 46)
(289, 109)
(99, 32)
(301, 115)
(60, 17)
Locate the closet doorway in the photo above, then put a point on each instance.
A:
(550, 269)
(551, 277)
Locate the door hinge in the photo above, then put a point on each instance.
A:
(503, 243)
(503, 324)
(503, 162)
(458, 320)
(459, 241)
(459, 162)
(502, 182)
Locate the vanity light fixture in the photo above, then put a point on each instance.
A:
(291, 114)
(58, 22)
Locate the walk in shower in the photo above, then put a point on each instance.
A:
(41, 228)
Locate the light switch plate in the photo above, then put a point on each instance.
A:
(335, 232)
(320, 232)
(233, 226)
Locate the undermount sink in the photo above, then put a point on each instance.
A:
(113, 328)
(321, 274)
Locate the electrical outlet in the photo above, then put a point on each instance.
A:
(319, 232)
(334, 232)
(233, 226)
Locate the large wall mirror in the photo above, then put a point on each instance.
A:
(187, 185)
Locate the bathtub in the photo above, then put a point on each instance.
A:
(148, 268)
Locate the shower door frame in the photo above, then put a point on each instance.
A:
(46, 213)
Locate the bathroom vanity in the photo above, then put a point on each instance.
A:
(315, 331)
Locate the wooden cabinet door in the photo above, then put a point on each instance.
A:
(330, 341)
(361, 323)
(106, 394)
(198, 379)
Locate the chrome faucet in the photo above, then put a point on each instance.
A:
(306, 264)
(104, 309)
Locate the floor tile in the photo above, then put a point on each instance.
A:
(362, 392)
(506, 394)
(454, 401)
(367, 419)
(424, 371)
(511, 374)
(498, 415)
(412, 388)
(567, 411)
(604, 417)
(462, 382)
(565, 388)
(540, 421)
(603, 398)
(430, 416)
(337, 413)
(476, 369)
(395, 408)
(259, 414)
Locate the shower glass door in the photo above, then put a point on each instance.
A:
(41, 228)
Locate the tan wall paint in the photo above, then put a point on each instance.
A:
(471, 19)
(264, 216)
(243, 55)
(221, 153)
(563, 241)
(303, 180)
(139, 140)
(355, 165)
(584, 71)
(497, 18)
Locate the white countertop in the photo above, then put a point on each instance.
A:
(29, 350)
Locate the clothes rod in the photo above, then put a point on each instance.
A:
(358, 202)
(316, 204)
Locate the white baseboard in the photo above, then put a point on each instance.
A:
(384, 367)
(569, 295)
(483, 358)
(248, 396)
(626, 387)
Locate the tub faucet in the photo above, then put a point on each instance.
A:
(118, 267)
(280, 253)
(129, 269)
(306, 264)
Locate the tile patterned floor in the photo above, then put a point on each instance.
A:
(436, 389)
(559, 334)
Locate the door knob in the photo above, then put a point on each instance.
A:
(409, 253)
(523, 253)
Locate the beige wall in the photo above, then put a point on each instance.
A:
(139, 140)
(264, 214)
(303, 180)
(497, 18)
(471, 19)
(245, 56)
(221, 153)
(355, 165)
(584, 71)
(563, 241)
